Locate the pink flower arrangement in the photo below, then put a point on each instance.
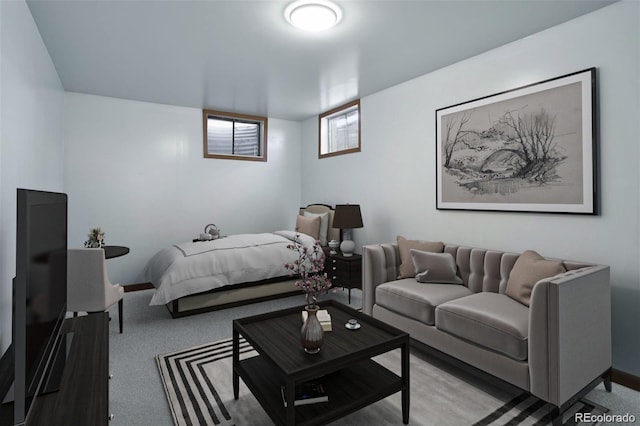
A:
(310, 268)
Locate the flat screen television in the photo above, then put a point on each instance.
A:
(40, 292)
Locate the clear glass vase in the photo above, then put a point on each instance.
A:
(312, 334)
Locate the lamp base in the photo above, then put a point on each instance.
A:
(347, 247)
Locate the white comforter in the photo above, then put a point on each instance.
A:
(190, 268)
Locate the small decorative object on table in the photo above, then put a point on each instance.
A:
(311, 334)
(313, 281)
(352, 324)
(334, 244)
(323, 316)
(96, 238)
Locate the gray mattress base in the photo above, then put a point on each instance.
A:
(221, 298)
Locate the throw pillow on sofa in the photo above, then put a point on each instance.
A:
(527, 271)
(406, 264)
(435, 267)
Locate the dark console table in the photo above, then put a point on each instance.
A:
(83, 398)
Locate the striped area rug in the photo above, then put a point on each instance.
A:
(198, 385)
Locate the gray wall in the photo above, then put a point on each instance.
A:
(31, 144)
(136, 169)
(393, 178)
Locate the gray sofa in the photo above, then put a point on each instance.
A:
(557, 348)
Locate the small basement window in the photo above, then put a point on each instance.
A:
(340, 130)
(234, 136)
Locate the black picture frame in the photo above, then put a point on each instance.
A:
(529, 149)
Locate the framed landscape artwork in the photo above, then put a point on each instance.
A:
(530, 149)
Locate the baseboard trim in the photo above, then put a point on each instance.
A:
(625, 379)
(137, 287)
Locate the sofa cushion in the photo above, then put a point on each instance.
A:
(435, 267)
(404, 246)
(492, 320)
(527, 271)
(415, 300)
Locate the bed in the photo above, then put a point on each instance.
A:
(195, 277)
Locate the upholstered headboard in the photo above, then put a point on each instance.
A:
(332, 233)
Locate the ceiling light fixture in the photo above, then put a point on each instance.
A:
(313, 15)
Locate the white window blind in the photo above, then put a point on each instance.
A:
(235, 136)
(340, 130)
(343, 130)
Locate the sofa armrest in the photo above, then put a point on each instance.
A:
(380, 264)
(569, 333)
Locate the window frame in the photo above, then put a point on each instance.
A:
(235, 117)
(326, 116)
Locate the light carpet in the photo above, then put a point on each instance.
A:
(198, 385)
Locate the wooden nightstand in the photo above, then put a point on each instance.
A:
(345, 271)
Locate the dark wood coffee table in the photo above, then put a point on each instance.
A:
(344, 365)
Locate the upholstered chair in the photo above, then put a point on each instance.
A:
(88, 286)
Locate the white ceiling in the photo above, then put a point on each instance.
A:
(243, 56)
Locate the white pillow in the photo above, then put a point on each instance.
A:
(324, 225)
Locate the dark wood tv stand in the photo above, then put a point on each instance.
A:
(83, 398)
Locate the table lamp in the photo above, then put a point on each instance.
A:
(347, 217)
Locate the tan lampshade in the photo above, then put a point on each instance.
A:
(347, 216)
